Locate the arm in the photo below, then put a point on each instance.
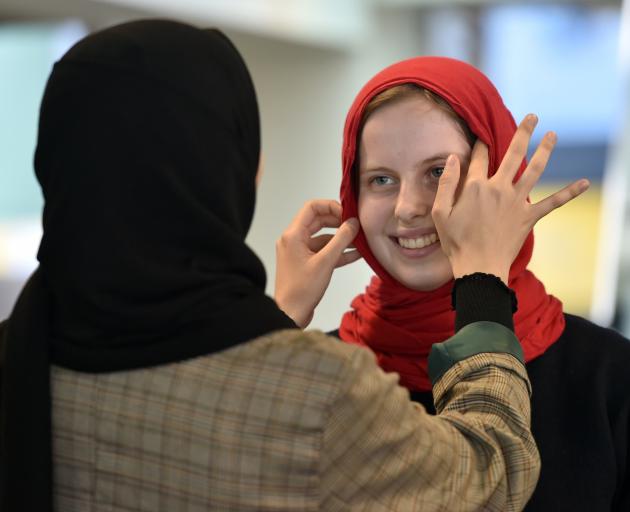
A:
(383, 452)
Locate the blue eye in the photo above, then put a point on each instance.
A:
(437, 172)
(382, 180)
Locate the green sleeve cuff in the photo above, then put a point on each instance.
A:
(475, 338)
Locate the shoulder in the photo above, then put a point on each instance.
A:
(577, 324)
(295, 342)
(584, 352)
(585, 356)
(305, 355)
(594, 340)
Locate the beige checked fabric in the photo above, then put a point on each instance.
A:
(293, 421)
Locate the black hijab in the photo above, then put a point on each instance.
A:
(147, 153)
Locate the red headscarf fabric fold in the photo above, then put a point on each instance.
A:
(400, 324)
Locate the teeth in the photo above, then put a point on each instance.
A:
(418, 243)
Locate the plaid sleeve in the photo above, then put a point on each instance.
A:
(383, 452)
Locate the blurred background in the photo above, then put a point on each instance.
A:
(567, 61)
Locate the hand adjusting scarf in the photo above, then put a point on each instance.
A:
(147, 152)
(400, 324)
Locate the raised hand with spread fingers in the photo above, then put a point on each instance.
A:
(483, 221)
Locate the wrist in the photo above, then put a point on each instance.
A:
(297, 314)
(464, 268)
(483, 297)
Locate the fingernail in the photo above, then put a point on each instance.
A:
(532, 120)
(552, 137)
(450, 161)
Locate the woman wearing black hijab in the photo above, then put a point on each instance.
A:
(144, 367)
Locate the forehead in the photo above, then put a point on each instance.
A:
(409, 112)
(411, 125)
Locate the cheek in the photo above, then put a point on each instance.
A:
(372, 214)
(429, 188)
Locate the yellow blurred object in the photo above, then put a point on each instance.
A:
(565, 248)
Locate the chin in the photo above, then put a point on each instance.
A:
(426, 286)
(426, 282)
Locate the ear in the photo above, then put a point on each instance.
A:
(260, 170)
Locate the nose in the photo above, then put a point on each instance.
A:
(413, 202)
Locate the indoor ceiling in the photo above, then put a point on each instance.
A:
(328, 23)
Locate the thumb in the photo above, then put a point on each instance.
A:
(344, 236)
(447, 186)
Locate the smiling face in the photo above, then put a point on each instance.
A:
(402, 152)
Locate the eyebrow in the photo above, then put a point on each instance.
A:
(435, 158)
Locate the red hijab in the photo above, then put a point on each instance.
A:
(400, 324)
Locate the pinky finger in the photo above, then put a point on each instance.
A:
(560, 198)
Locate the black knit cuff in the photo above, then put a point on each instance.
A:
(483, 297)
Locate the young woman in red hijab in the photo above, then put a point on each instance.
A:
(399, 131)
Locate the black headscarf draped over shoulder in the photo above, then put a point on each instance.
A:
(147, 153)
